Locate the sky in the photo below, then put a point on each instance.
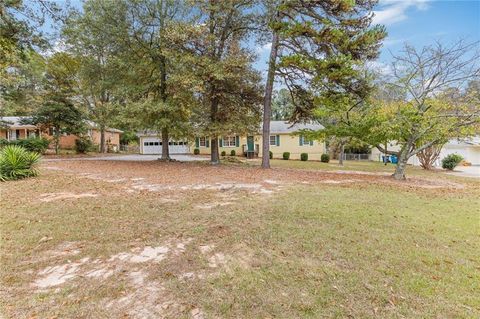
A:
(419, 23)
(416, 22)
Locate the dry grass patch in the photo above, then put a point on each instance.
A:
(283, 243)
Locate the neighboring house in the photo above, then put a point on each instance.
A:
(12, 129)
(281, 140)
(468, 148)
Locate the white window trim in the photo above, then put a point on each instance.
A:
(275, 140)
(230, 137)
(200, 142)
(306, 142)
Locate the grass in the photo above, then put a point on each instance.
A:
(307, 251)
(361, 166)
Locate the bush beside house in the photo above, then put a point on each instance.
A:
(286, 156)
(325, 158)
(31, 144)
(83, 145)
(304, 157)
(451, 161)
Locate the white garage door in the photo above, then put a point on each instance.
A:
(153, 145)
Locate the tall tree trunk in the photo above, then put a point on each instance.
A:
(165, 151)
(342, 153)
(56, 139)
(102, 139)
(214, 154)
(267, 103)
(163, 96)
(402, 163)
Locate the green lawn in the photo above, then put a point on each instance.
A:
(305, 251)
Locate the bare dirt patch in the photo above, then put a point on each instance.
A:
(51, 197)
(178, 177)
(145, 297)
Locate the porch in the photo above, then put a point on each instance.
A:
(250, 152)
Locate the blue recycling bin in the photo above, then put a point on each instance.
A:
(394, 159)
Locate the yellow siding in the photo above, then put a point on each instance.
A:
(288, 143)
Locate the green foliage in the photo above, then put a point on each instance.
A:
(286, 156)
(451, 161)
(61, 115)
(33, 144)
(17, 163)
(83, 145)
(3, 142)
(325, 158)
(196, 151)
(232, 153)
(223, 153)
(304, 157)
(128, 137)
(282, 105)
(270, 154)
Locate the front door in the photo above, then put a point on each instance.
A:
(250, 144)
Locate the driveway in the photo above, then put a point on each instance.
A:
(136, 158)
(140, 157)
(467, 171)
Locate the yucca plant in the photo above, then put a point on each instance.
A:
(17, 163)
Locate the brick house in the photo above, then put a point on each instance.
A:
(12, 129)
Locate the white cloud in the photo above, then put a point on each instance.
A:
(264, 48)
(393, 11)
(380, 68)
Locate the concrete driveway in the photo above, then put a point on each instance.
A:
(467, 171)
(145, 158)
(133, 158)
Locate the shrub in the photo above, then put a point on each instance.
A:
(196, 151)
(32, 144)
(232, 153)
(304, 157)
(270, 154)
(451, 161)
(223, 153)
(83, 145)
(286, 156)
(16, 163)
(3, 142)
(325, 158)
(35, 144)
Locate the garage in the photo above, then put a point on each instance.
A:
(153, 145)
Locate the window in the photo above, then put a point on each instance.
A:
(305, 141)
(145, 143)
(202, 142)
(229, 141)
(273, 140)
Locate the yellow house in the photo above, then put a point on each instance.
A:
(281, 140)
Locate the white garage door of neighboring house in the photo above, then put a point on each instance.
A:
(153, 145)
(469, 152)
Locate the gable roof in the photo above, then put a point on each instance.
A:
(16, 121)
(284, 127)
